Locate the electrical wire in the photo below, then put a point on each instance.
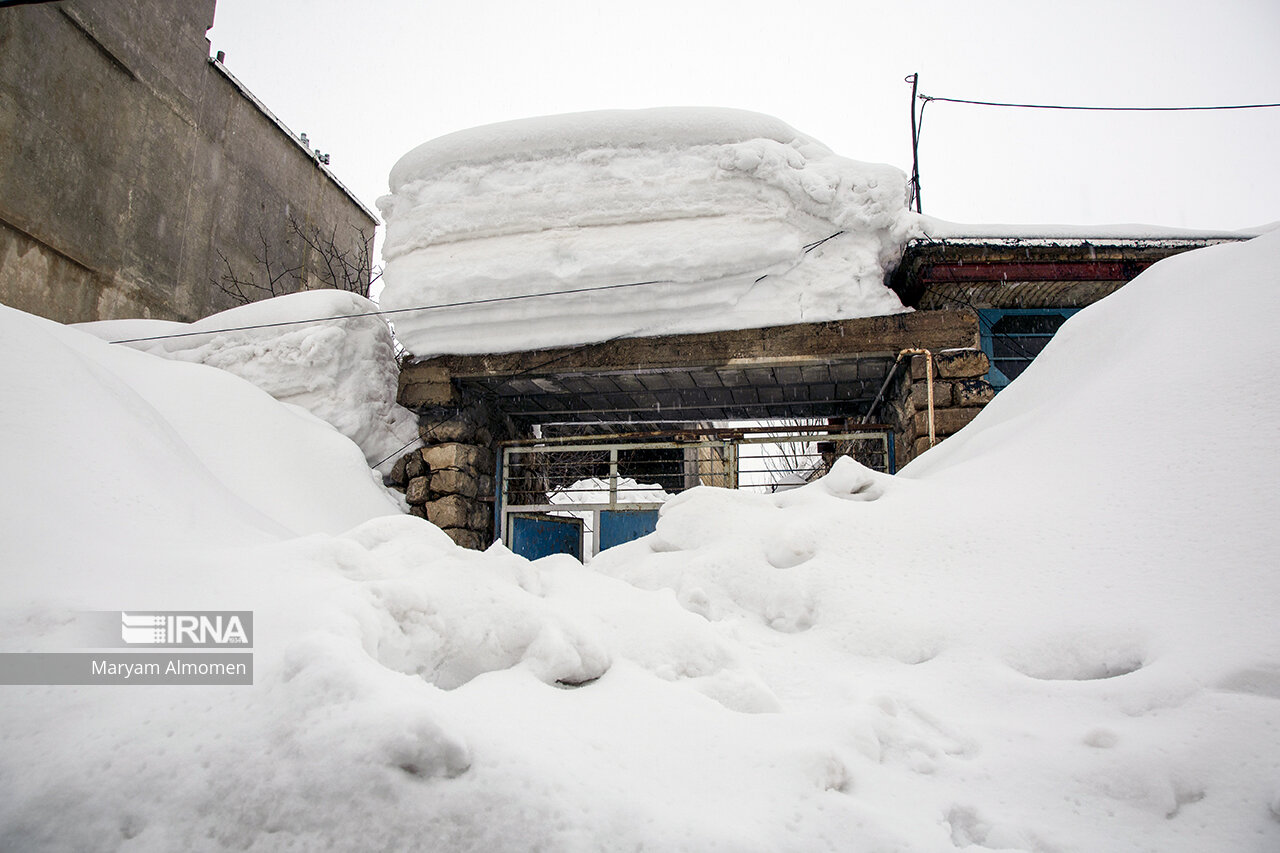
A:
(439, 306)
(929, 98)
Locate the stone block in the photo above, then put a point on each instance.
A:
(397, 477)
(414, 466)
(481, 517)
(961, 364)
(920, 394)
(972, 392)
(485, 486)
(918, 364)
(463, 457)
(419, 511)
(920, 446)
(449, 511)
(464, 538)
(946, 421)
(416, 493)
(454, 481)
(461, 430)
(420, 395)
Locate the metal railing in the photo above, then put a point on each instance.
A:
(584, 478)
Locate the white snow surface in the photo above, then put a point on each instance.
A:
(343, 371)
(1054, 632)
(715, 210)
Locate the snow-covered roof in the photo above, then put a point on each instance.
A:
(931, 229)
(731, 219)
(550, 136)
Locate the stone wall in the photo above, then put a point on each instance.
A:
(960, 391)
(129, 162)
(450, 480)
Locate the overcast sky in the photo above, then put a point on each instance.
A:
(369, 81)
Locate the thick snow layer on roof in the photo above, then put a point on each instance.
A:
(716, 211)
(1056, 631)
(314, 352)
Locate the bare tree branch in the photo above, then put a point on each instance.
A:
(349, 269)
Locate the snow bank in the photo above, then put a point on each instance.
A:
(1055, 632)
(719, 209)
(108, 451)
(343, 371)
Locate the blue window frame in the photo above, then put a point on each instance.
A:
(1013, 337)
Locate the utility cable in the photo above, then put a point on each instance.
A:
(442, 305)
(929, 98)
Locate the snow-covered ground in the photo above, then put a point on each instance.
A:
(1055, 632)
(327, 351)
(714, 214)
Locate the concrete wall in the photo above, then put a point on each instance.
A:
(128, 160)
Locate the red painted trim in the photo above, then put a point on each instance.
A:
(1033, 271)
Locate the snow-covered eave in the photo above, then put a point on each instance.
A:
(930, 231)
(1117, 242)
(1057, 259)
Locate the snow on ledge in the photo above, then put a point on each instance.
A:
(932, 229)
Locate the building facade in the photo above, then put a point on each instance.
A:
(136, 173)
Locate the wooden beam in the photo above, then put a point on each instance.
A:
(805, 343)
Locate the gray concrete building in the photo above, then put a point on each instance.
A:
(136, 172)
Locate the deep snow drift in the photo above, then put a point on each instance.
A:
(717, 210)
(343, 370)
(1055, 632)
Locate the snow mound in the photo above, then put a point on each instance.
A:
(131, 448)
(1054, 632)
(721, 212)
(1068, 608)
(343, 371)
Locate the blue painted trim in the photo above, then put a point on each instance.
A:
(497, 497)
(623, 525)
(988, 317)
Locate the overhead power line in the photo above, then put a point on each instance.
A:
(439, 306)
(929, 98)
(442, 305)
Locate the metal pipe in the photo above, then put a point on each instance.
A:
(928, 376)
(888, 377)
(727, 432)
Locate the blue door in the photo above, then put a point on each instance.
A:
(535, 536)
(623, 525)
